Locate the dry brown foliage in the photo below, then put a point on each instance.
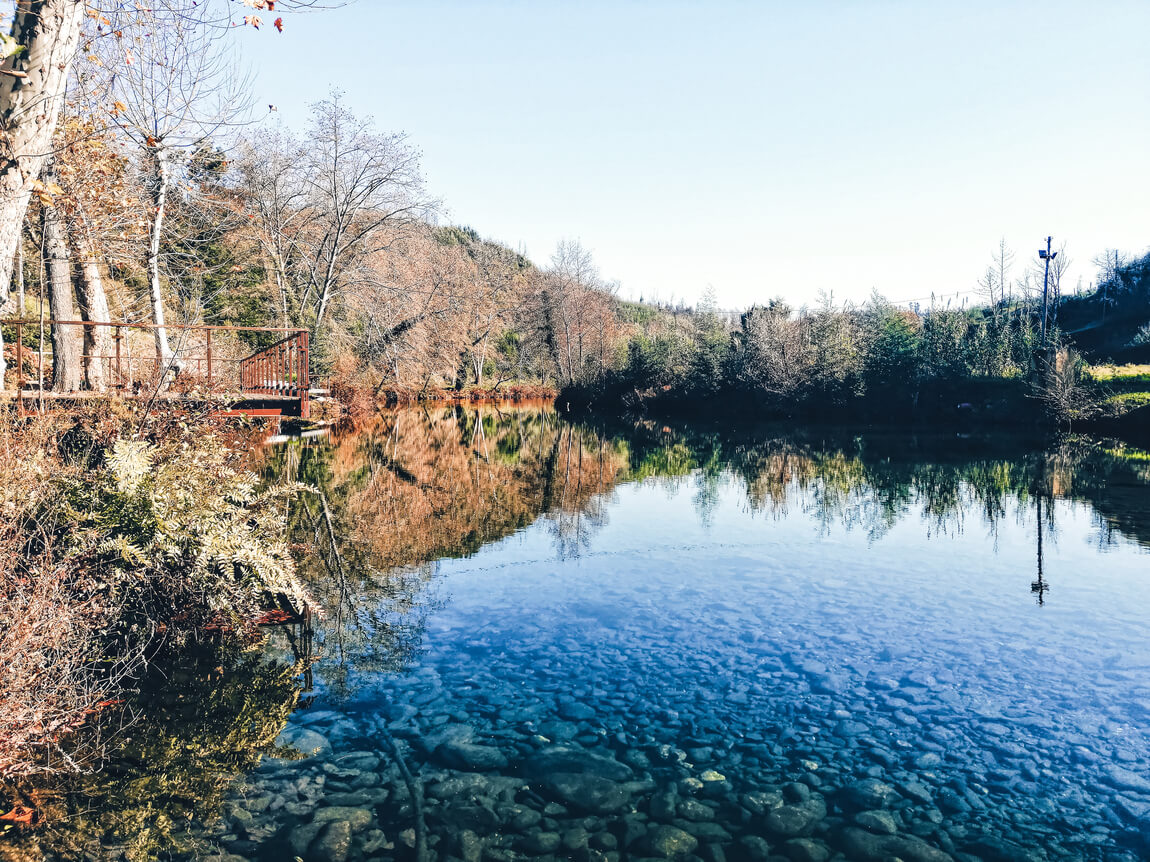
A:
(46, 643)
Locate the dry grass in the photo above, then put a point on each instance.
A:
(66, 640)
(47, 644)
(49, 688)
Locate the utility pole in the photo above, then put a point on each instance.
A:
(1046, 255)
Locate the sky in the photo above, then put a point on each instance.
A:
(762, 149)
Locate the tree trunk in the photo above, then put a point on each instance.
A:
(67, 364)
(94, 307)
(159, 181)
(30, 100)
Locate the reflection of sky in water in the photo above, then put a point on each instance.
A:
(848, 647)
(739, 660)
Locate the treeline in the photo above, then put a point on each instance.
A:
(821, 361)
(879, 361)
(158, 202)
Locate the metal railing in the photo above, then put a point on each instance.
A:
(280, 369)
(203, 361)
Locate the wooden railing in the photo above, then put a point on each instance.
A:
(280, 370)
(128, 369)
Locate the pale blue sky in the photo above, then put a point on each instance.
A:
(764, 148)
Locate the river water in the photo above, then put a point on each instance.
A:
(545, 640)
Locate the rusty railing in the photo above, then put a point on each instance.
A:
(279, 370)
(129, 369)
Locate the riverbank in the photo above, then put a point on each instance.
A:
(121, 538)
(472, 394)
(1110, 405)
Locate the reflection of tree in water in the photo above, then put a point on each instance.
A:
(428, 483)
(421, 485)
(200, 716)
(872, 483)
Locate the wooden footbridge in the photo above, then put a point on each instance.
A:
(212, 368)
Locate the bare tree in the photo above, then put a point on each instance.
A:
(359, 182)
(995, 283)
(776, 351)
(576, 310)
(183, 88)
(271, 175)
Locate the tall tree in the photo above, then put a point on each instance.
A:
(33, 75)
(271, 176)
(182, 88)
(359, 183)
(576, 312)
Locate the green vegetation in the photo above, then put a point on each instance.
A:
(114, 543)
(195, 719)
(881, 363)
(826, 363)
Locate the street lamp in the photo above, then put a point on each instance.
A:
(1047, 255)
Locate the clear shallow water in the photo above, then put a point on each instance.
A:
(547, 642)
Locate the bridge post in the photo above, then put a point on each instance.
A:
(19, 363)
(118, 337)
(303, 378)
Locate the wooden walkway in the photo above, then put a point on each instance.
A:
(211, 369)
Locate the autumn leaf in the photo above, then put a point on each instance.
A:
(253, 20)
(279, 24)
(21, 814)
(118, 108)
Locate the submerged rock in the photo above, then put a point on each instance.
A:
(470, 756)
(564, 758)
(791, 821)
(356, 818)
(334, 845)
(588, 792)
(1125, 779)
(573, 710)
(868, 794)
(879, 822)
(990, 848)
(309, 743)
(805, 850)
(670, 842)
(863, 846)
(541, 843)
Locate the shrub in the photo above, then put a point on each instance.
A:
(107, 543)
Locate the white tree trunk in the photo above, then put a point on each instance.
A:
(161, 180)
(30, 101)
